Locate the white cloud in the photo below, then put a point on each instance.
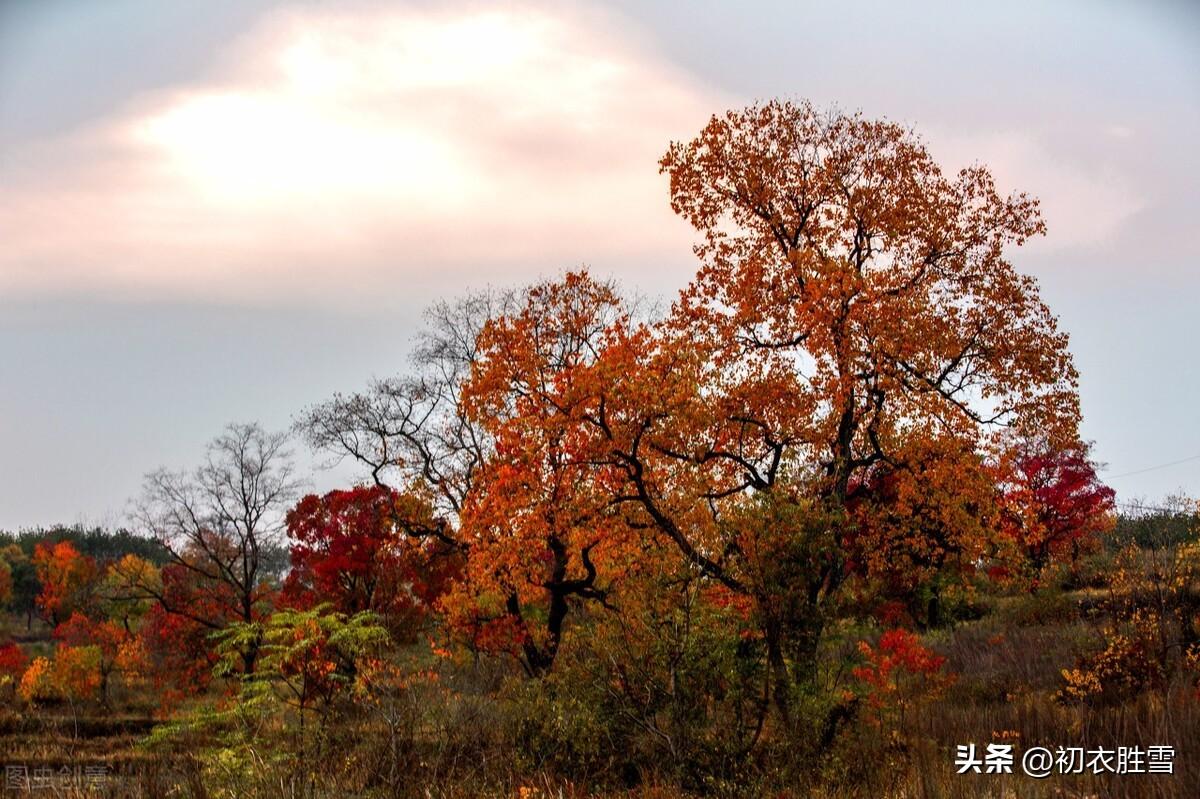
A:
(366, 146)
(1082, 207)
(342, 154)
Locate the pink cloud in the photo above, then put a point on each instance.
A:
(1082, 207)
(356, 148)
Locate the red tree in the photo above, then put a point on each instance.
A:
(1055, 501)
(175, 630)
(369, 548)
(920, 525)
(12, 661)
(179, 655)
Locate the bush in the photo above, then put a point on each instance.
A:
(1122, 670)
(558, 726)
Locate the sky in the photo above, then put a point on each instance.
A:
(227, 210)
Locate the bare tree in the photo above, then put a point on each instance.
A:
(219, 523)
(414, 430)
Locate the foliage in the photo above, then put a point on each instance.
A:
(542, 532)
(12, 659)
(77, 671)
(308, 657)
(308, 661)
(73, 675)
(6, 583)
(1056, 507)
(219, 524)
(852, 305)
(1153, 604)
(1154, 526)
(127, 589)
(678, 677)
(558, 725)
(36, 682)
(368, 549)
(96, 542)
(605, 547)
(23, 578)
(67, 579)
(13, 662)
(118, 650)
(1124, 668)
(899, 672)
(922, 525)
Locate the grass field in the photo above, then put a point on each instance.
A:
(1008, 666)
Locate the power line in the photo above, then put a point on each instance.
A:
(1154, 468)
(1141, 506)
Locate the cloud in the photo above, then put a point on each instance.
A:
(1082, 207)
(342, 154)
(335, 153)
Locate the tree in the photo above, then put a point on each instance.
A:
(12, 664)
(6, 583)
(309, 656)
(899, 672)
(1055, 500)
(1151, 627)
(540, 523)
(851, 301)
(72, 676)
(116, 649)
(419, 434)
(124, 591)
(850, 297)
(24, 582)
(919, 527)
(413, 431)
(179, 655)
(217, 523)
(369, 548)
(67, 579)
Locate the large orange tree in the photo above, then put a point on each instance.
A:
(855, 315)
(853, 300)
(543, 531)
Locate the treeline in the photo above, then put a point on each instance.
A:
(95, 542)
(1169, 523)
(19, 581)
(20, 584)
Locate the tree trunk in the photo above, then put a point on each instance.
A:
(933, 611)
(250, 656)
(779, 671)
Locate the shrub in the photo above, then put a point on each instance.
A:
(1119, 672)
(558, 727)
(12, 665)
(1047, 606)
(36, 682)
(899, 672)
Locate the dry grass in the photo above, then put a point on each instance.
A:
(1008, 664)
